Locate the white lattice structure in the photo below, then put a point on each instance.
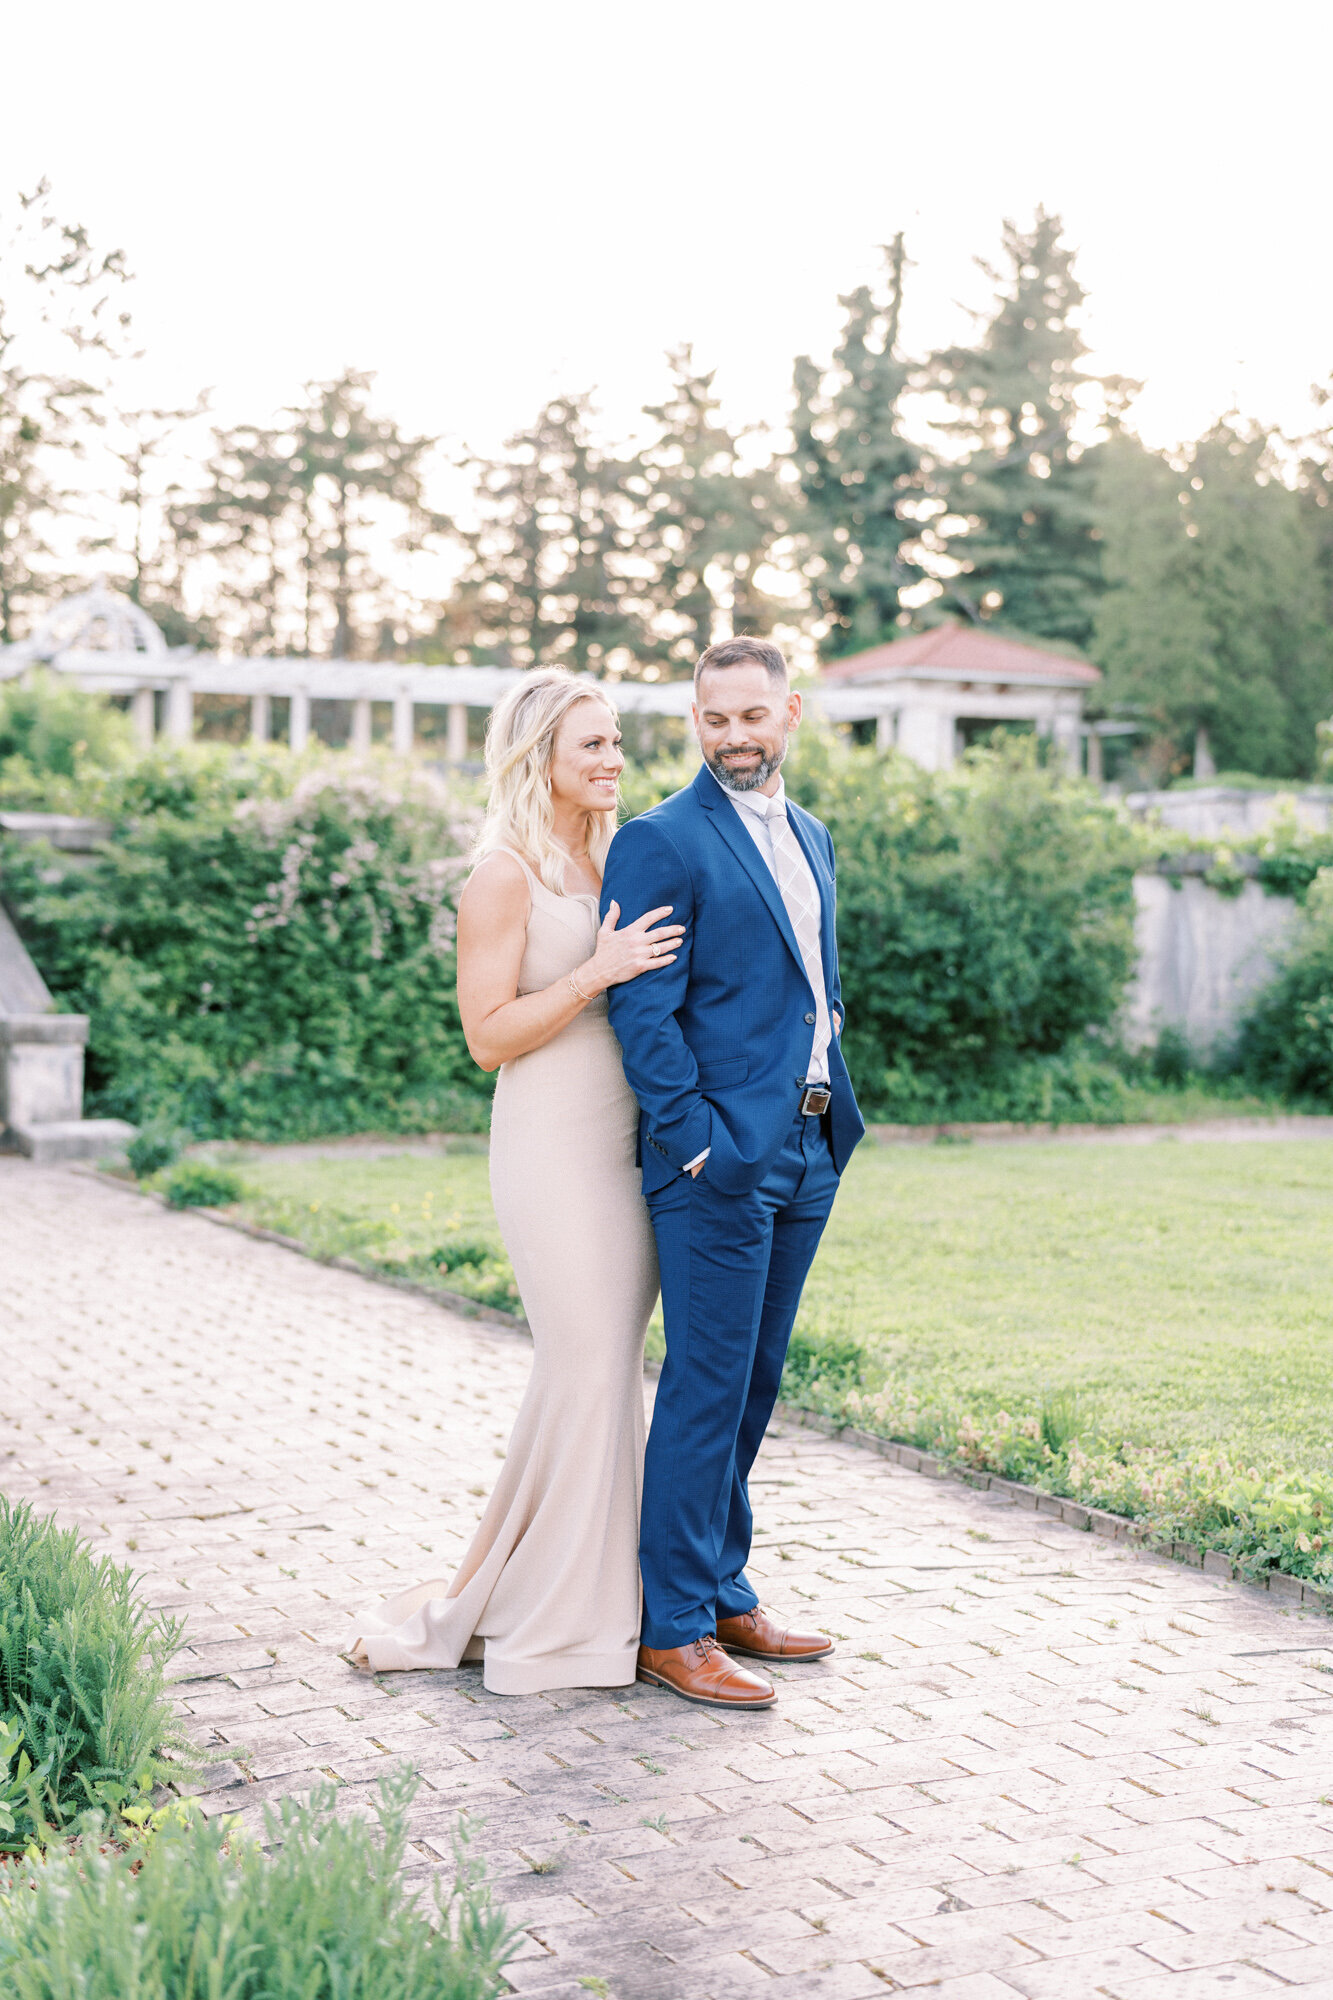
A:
(921, 692)
(84, 632)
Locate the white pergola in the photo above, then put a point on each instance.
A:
(107, 644)
(918, 691)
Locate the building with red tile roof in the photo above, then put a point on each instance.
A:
(932, 693)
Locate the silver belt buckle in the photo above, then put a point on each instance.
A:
(815, 1100)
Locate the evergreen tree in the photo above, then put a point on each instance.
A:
(345, 457)
(1213, 625)
(710, 524)
(59, 327)
(284, 531)
(859, 474)
(240, 540)
(1315, 476)
(553, 569)
(137, 441)
(1020, 479)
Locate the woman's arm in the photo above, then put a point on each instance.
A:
(498, 1022)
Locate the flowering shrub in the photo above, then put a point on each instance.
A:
(262, 965)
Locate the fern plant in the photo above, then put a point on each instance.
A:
(86, 1717)
(204, 1912)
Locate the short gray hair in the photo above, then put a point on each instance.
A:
(745, 652)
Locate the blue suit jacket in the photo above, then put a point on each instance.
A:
(717, 1045)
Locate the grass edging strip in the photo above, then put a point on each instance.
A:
(1294, 1590)
(439, 1295)
(1073, 1513)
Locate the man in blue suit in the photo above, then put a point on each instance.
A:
(747, 1119)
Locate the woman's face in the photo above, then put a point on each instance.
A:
(586, 759)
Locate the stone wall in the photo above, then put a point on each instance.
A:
(1222, 812)
(1203, 956)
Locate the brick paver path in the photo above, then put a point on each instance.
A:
(1038, 1764)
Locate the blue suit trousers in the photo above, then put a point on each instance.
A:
(732, 1266)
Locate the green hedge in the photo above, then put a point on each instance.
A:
(258, 965)
(264, 965)
(985, 928)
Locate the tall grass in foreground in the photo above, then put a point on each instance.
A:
(87, 1720)
(209, 1916)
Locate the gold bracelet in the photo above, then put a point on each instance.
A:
(575, 988)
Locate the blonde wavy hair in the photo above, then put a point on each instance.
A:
(520, 739)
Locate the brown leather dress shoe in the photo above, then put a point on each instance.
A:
(758, 1636)
(702, 1673)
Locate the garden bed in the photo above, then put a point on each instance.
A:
(111, 1883)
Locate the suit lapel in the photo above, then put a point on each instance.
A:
(726, 820)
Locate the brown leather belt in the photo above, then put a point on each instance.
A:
(815, 1100)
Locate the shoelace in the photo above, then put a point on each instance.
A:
(705, 1647)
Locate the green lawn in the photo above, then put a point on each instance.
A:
(1182, 1290)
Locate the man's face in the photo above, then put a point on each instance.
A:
(742, 717)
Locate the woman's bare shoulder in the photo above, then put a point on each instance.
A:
(497, 886)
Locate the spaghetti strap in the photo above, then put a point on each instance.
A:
(534, 880)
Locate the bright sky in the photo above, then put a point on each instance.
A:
(488, 203)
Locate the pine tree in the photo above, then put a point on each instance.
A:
(859, 474)
(1213, 625)
(344, 457)
(552, 565)
(711, 524)
(60, 327)
(240, 539)
(137, 441)
(285, 529)
(1020, 479)
(1315, 477)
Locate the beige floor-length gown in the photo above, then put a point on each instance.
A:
(549, 1590)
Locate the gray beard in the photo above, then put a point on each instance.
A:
(748, 781)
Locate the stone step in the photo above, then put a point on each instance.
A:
(69, 1139)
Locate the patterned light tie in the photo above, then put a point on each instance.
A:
(800, 893)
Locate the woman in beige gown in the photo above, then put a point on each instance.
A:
(548, 1593)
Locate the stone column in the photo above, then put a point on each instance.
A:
(925, 735)
(884, 731)
(298, 726)
(402, 724)
(457, 748)
(1064, 733)
(180, 711)
(1095, 768)
(142, 717)
(261, 727)
(360, 739)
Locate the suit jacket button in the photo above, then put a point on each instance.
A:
(809, 1020)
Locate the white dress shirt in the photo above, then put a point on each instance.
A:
(754, 808)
